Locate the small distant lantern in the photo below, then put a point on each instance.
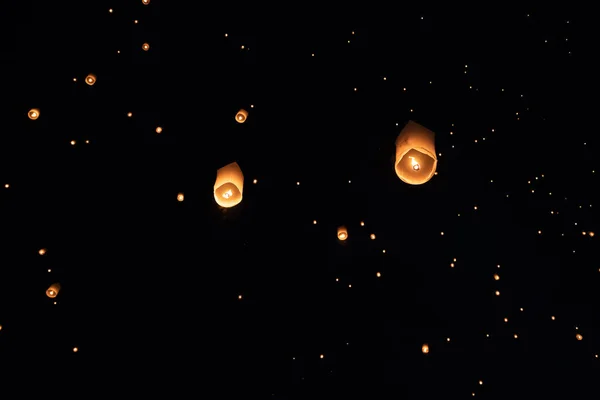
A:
(33, 114)
(415, 154)
(579, 336)
(229, 185)
(41, 252)
(145, 2)
(592, 234)
(180, 197)
(90, 79)
(241, 116)
(53, 290)
(158, 129)
(425, 348)
(342, 233)
(145, 47)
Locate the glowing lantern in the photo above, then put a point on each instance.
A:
(229, 185)
(53, 290)
(145, 2)
(145, 47)
(415, 154)
(579, 336)
(90, 79)
(425, 348)
(241, 116)
(342, 233)
(180, 197)
(33, 114)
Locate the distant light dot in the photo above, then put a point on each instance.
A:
(315, 222)
(497, 293)
(180, 197)
(159, 129)
(110, 10)
(379, 274)
(362, 223)
(41, 252)
(553, 318)
(372, 236)
(129, 114)
(73, 142)
(145, 2)
(145, 47)
(239, 297)
(6, 185)
(75, 349)
(322, 356)
(579, 336)
(496, 277)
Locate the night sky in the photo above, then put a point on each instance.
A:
(492, 264)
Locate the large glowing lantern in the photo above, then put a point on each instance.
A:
(241, 116)
(342, 233)
(33, 114)
(415, 154)
(53, 290)
(90, 79)
(229, 185)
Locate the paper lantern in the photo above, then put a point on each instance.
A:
(145, 2)
(145, 47)
(53, 290)
(425, 348)
(415, 154)
(241, 116)
(33, 114)
(90, 79)
(342, 233)
(229, 185)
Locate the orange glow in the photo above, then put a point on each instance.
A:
(53, 290)
(342, 233)
(90, 79)
(229, 185)
(241, 116)
(33, 114)
(416, 160)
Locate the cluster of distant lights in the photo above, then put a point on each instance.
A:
(241, 117)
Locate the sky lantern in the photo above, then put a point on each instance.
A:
(53, 290)
(342, 233)
(415, 154)
(425, 348)
(145, 47)
(241, 116)
(33, 114)
(145, 2)
(90, 79)
(229, 185)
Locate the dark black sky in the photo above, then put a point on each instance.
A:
(150, 285)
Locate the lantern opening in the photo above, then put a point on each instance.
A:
(416, 166)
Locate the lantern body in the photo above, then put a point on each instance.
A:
(145, 47)
(90, 79)
(415, 154)
(33, 114)
(53, 290)
(241, 116)
(342, 233)
(229, 185)
(425, 348)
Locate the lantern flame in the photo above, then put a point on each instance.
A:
(414, 163)
(227, 194)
